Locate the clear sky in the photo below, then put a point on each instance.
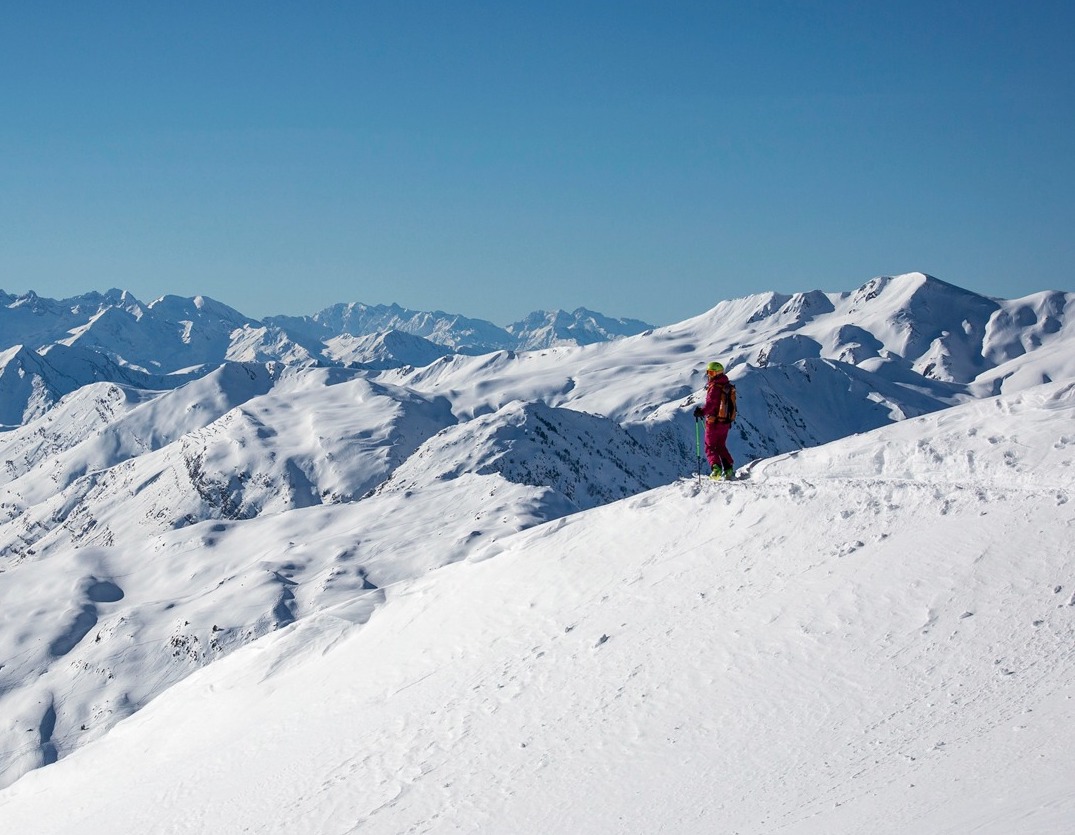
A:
(644, 159)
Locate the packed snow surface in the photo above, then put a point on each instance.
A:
(876, 635)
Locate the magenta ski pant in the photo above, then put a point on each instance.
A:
(716, 445)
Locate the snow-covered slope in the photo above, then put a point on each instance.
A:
(33, 382)
(378, 351)
(138, 510)
(103, 424)
(25, 388)
(877, 635)
(273, 452)
(109, 477)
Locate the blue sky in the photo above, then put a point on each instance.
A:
(643, 159)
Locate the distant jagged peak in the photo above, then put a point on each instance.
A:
(360, 311)
(460, 333)
(554, 328)
(198, 307)
(95, 305)
(362, 307)
(107, 319)
(580, 315)
(467, 335)
(24, 362)
(41, 306)
(115, 296)
(27, 299)
(83, 304)
(88, 305)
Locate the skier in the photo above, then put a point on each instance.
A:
(719, 412)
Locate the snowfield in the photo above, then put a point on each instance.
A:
(874, 635)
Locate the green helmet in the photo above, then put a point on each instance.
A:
(715, 366)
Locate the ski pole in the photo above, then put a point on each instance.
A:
(698, 446)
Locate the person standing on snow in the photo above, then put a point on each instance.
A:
(718, 412)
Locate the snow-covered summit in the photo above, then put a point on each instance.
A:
(548, 329)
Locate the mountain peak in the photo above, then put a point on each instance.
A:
(908, 285)
(552, 328)
(199, 307)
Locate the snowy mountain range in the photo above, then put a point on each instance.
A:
(49, 348)
(265, 527)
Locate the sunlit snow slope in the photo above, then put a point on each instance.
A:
(877, 635)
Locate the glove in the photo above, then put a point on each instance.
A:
(697, 412)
